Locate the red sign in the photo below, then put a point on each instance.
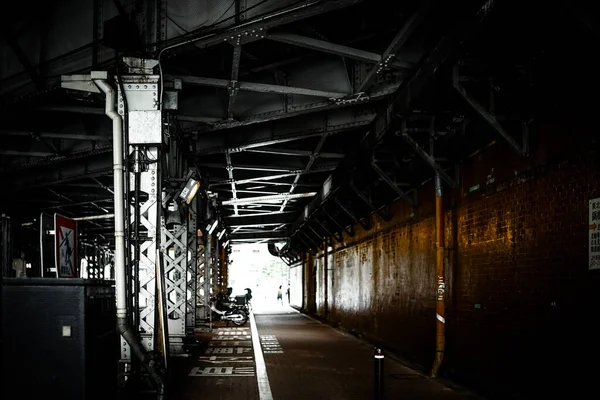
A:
(65, 239)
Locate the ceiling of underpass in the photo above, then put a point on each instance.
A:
(311, 101)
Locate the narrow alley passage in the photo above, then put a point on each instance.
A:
(292, 356)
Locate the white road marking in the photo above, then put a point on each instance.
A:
(264, 388)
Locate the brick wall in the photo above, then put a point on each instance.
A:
(520, 297)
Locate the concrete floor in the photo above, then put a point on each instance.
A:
(303, 359)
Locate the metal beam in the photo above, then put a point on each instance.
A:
(271, 198)
(403, 101)
(14, 45)
(337, 49)
(233, 87)
(273, 177)
(266, 219)
(85, 167)
(294, 152)
(247, 167)
(399, 40)
(26, 153)
(216, 124)
(291, 130)
(53, 135)
(309, 165)
(260, 235)
(72, 109)
(265, 192)
(257, 26)
(255, 87)
(277, 224)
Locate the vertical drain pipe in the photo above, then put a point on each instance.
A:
(440, 278)
(119, 206)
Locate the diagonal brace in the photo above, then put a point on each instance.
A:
(429, 160)
(392, 184)
(349, 232)
(385, 215)
(521, 149)
(337, 237)
(365, 224)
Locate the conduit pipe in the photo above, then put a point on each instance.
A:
(128, 334)
(440, 278)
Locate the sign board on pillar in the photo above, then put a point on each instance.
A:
(594, 234)
(65, 239)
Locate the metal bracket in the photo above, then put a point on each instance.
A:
(308, 247)
(337, 237)
(521, 149)
(317, 243)
(349, 232)
(429, 159)
(385, 215)
(392, 184)
(83, 83)
(366, 223)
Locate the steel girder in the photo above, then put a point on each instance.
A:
(400, 103)
(283, 131)
(86, 164)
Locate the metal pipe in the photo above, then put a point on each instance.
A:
(119, 207)
(440, 278)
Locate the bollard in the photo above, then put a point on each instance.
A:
(378, 374)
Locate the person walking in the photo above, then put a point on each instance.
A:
(279, 295)
(287, 292)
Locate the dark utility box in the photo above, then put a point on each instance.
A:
(59, 338)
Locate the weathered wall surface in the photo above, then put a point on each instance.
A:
(520, 297)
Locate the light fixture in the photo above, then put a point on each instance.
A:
(226, 243)
(189, 190)
(220, 235)
(211, 227)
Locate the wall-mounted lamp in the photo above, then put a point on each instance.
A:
(220, 235)
(189, 190)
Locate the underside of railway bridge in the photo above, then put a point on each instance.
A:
(428, 171)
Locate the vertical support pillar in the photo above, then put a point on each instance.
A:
(137, 93)
(214, 260)
(174, 250)
(223, 267)
(192, 267)
(209, 266)
(202, 273)
(144, 284)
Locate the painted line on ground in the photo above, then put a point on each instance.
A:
(264, 388)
